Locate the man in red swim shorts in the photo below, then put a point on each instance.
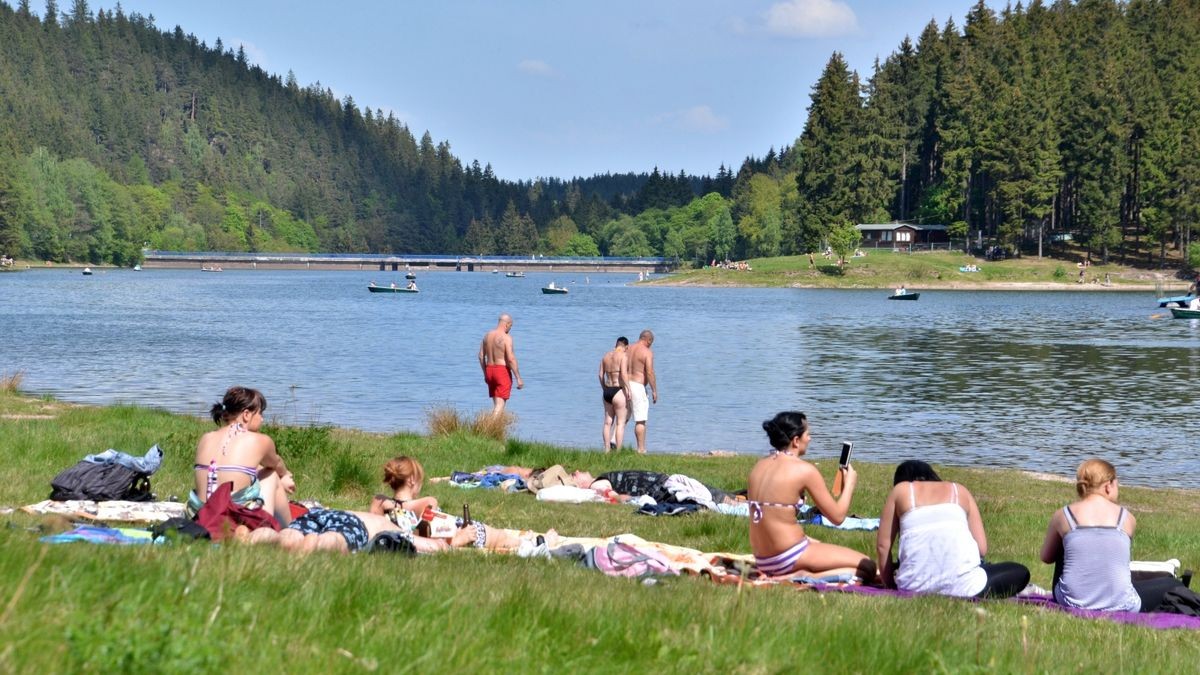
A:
(499, 363)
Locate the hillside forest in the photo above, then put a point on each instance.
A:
(1079, 118)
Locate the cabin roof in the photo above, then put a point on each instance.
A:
(877, 227)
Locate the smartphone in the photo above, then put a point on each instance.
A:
(844, 460)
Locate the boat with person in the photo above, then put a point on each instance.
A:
(1184, 313)
(87, 271)
(552, 289)
(904, 294)
(515, 275)
(410, 275)
(392, 289)
(1178, 301)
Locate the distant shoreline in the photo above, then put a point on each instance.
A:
(928, 286)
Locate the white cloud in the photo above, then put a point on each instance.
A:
(253, 54)
(700, 119)
(536, 67)
(810, 18)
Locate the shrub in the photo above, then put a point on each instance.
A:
(444, 422)
(1060, 273)
(492, 426)
(1193, 255)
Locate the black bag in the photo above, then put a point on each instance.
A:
(101, 482)
(1180, 600)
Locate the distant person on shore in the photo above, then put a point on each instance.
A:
(777, 487)
(499, 363)
(239, 454)
(639, 373)
(941, 540)
(1089, 543)
(612, 391)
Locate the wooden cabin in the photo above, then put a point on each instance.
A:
(902, 235)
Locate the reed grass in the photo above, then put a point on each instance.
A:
(11, 382)
(204, 608)
(485, 424)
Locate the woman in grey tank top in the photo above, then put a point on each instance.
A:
(1089, 544)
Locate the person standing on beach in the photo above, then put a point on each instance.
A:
(612, 388)
(499, 363)
(640, 368)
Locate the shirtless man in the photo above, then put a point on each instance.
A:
(499, 364)
(616, 407)
(639, 373)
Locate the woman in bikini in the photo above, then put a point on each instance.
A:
(612, 389)
(238, 453)
(942, 541)
(776, 490)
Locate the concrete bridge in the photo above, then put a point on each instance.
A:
(397, 262)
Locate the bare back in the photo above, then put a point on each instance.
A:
(641, 363)
(610, 366)
(776, 480)
(245, 449)
(496, 347)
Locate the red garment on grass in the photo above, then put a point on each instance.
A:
(220, 515)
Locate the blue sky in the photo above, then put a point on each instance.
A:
(566, 88)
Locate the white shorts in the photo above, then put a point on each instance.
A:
(639, 402)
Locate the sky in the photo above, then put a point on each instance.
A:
(564, 88)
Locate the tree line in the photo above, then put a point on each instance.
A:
(1076, 118)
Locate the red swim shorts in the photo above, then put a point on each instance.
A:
(499, 381)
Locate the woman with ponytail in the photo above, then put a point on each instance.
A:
(776, 491)
(238, 453)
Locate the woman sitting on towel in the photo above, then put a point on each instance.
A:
(777, 487)
(405, 476)
(1089, 544)
(238, 453)
(942, 542)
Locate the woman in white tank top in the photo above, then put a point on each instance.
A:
(941, 537)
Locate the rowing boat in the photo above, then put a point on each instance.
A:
(1184, 313)
(389, 289)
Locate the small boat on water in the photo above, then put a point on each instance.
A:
(87, 271)
(1178, 301)
(553, 290)
(410, 275)
(1184, 313)
(515, 275)
(904, 296)
(211, 268)
(137, 268)
(392, 289)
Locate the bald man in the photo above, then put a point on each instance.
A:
(499, 363)
(639, 372)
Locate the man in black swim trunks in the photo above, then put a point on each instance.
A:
(616, 402)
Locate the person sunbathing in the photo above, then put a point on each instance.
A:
(621, 486)
(239, 453)
(1089, 542)
(942, 540)
(405, 508)
(777, 486)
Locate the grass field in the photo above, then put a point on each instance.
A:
(209, 608)
(888, 269)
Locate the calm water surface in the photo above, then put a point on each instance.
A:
(1030, 380)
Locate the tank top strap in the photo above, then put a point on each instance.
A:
(1121, 517)
(954, 492)
(1071, 524)
(912, 495)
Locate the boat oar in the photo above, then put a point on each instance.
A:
(1158, 316)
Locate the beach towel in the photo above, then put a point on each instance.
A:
(92, 534)
(115, 511)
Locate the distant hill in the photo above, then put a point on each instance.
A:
(116, 135)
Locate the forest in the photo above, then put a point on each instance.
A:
(1020, 127)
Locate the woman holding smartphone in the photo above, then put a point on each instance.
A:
(942, 542)
(777, 486)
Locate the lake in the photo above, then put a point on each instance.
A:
(1029, 380)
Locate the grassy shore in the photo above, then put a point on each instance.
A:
(936, 270)
(204, 608)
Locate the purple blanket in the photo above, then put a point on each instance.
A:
(1159, 620)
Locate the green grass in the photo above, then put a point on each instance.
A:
(204, 608)
(888, 269)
